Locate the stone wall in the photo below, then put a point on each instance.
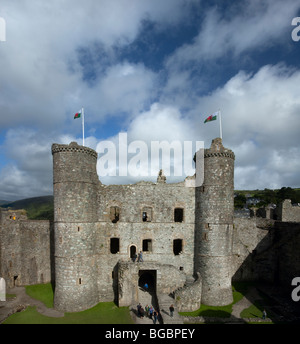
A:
(188, 298)
(252, 237)
(25, 249)
(167, 279)
(160, 229)
(287, 212)
(266, 250)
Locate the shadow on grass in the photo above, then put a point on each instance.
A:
(215, 313)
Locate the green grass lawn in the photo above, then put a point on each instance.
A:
(102, 313)
(42, 292)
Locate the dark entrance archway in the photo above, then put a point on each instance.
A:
(149, 277)
(147, 296)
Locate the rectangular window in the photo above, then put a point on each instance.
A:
(147, 245)
(147, 214)
(178, 214)
(114, 245)
(177, 246)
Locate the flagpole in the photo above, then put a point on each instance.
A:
(220, 124)
(82, 126)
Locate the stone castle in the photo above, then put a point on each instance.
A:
(193, 246)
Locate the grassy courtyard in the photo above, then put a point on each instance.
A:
(102, 313)
(109, 313)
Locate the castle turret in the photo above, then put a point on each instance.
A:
(75, 183)
(214, 225)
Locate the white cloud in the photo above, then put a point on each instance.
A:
(125, 88)
(260, 120)
(41, 84)
(41, 79)
(161, 126)
(247, 25)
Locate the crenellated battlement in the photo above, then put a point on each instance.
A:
(219, 154)
(73, 147)
(218, 150)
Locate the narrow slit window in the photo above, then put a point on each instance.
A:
(177, 246)
(114, 245)
(178, 214)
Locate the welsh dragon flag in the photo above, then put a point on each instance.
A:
(77, 115)
(212, 117)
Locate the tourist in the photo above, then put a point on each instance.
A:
(171, 308)
(139, 306)
(154, 317)
(264, 314)
(150, 312)
(140, 258)
(142, 312)
(134, 257)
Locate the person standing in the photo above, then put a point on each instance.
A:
(140, 257)
(154, 317)
(171, 308)
(150, 312)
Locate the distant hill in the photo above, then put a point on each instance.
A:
(37, 208)
(3, 202)
(42, 208)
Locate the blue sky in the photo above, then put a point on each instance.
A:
(152, 69)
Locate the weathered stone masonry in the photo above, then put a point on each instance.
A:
(177, 226)
(25, 256)
(192, 245)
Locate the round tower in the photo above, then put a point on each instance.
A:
(75, 183)
(214, 225)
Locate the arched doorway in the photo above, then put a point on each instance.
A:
(147, 296)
